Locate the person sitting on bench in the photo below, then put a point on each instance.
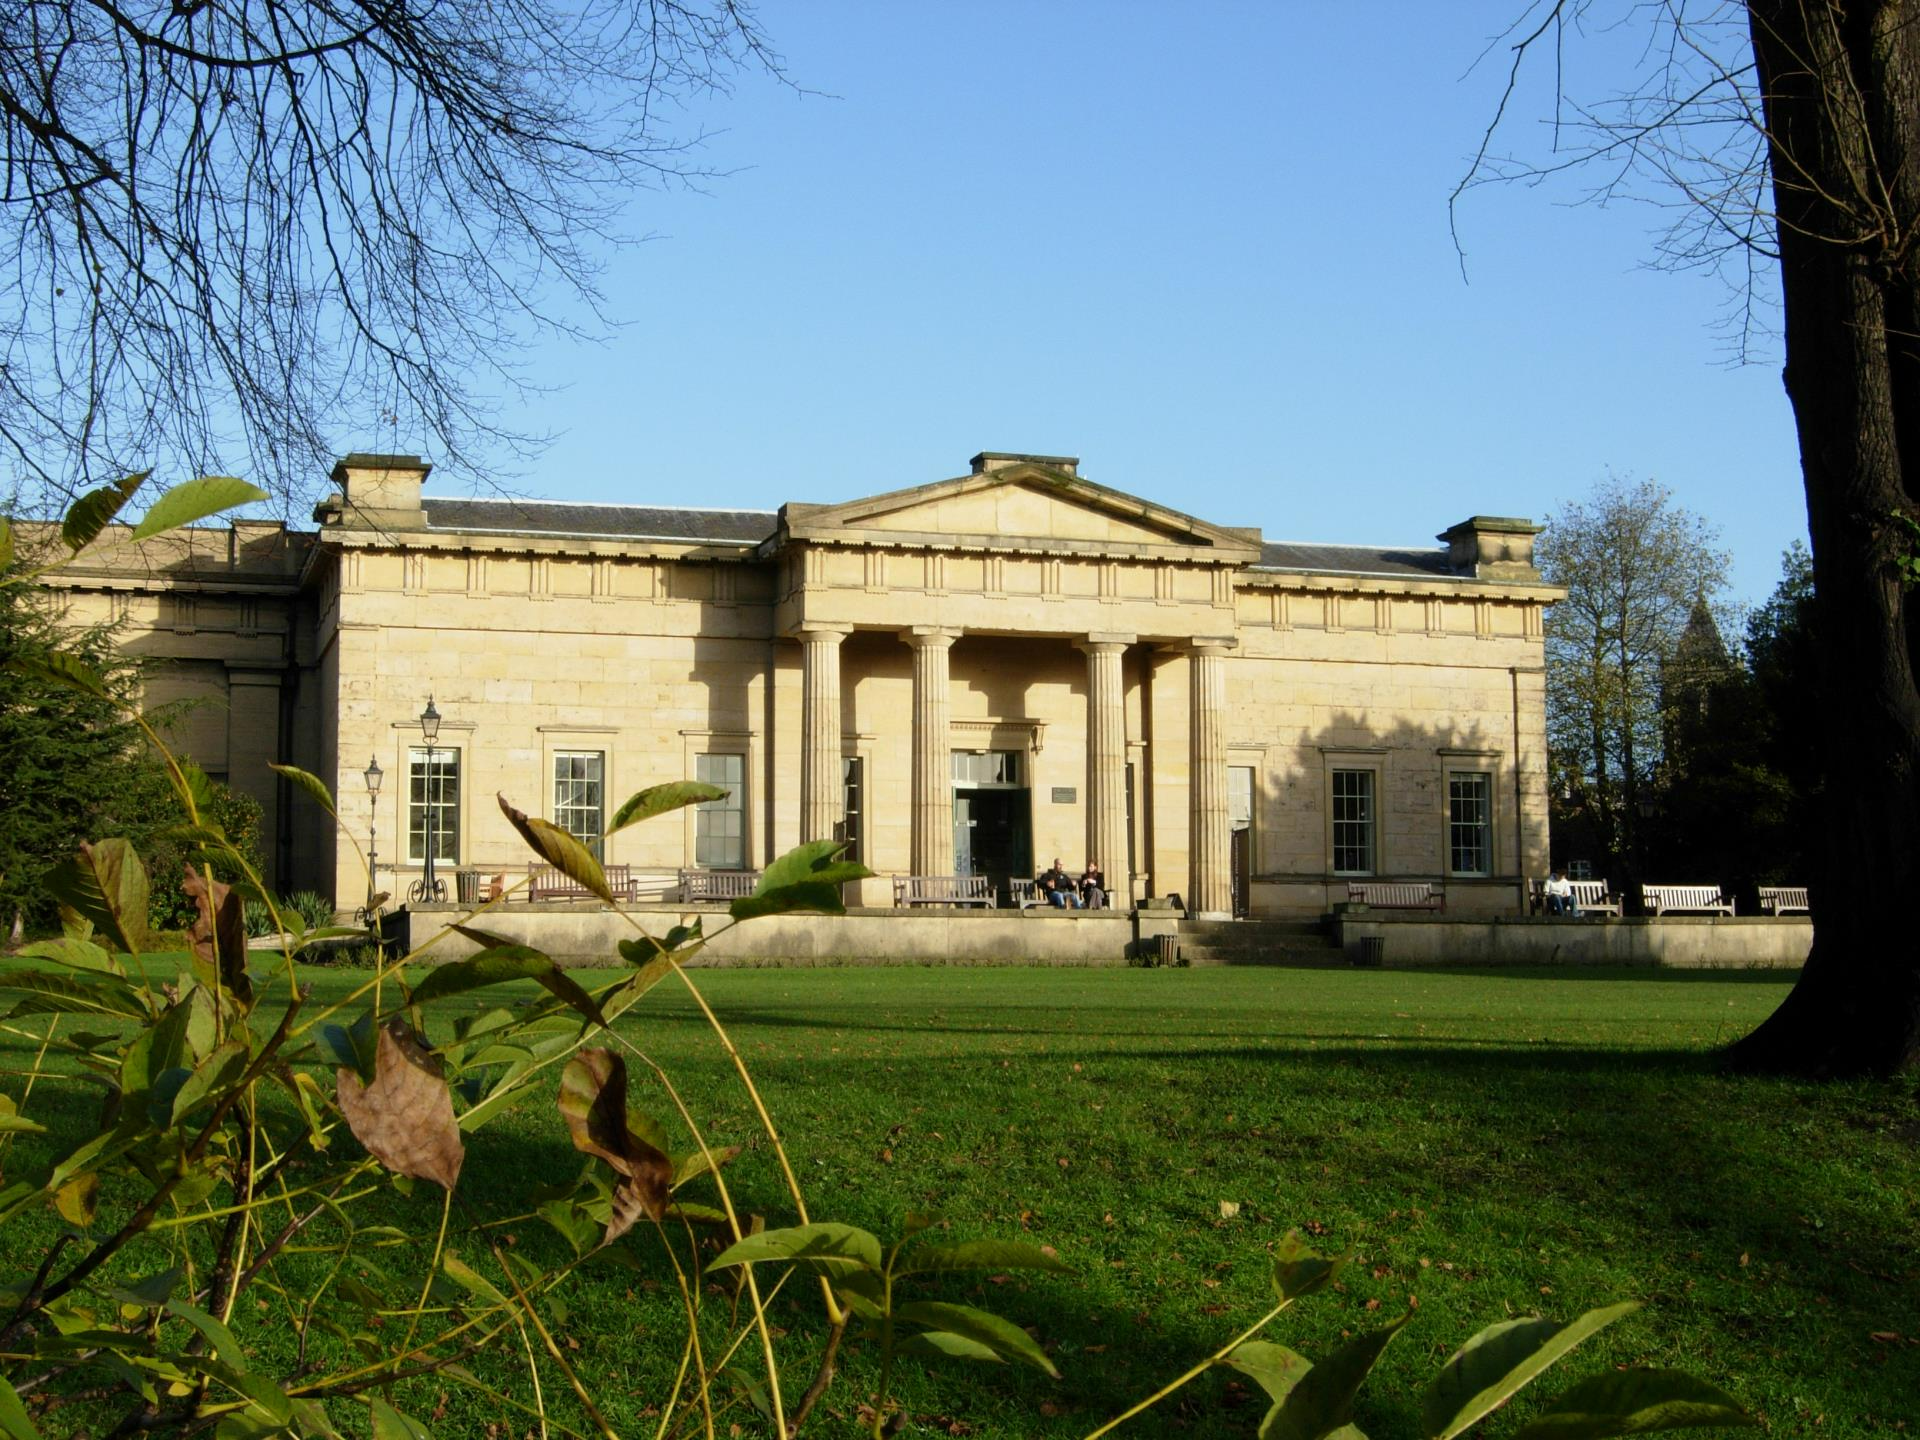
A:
(1093, 888)
(1057, 887)
(1559, 893)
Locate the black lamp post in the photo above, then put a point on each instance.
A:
(430, 889)
(373, 776)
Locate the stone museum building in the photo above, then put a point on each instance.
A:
(969, 677)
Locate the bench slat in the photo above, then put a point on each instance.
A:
(973, 890)
(1397, 894)
(548, 882)
(1784, 899)
(696, 885)
(1700, 899)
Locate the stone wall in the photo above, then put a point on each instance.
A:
(588, 934)
(1671, 941)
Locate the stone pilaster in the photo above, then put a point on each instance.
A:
(1107, 763)
(1209, 846)
(253, 744)
(821, 795)
(932, 752)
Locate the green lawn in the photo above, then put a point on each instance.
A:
(1490, 1143)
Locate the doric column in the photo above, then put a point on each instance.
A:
(1209, 846)
(932, 752)
(1107, 763)
(821, 795)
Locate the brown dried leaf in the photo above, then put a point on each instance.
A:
(593, 1102)
(405, 1117)
(219, 933)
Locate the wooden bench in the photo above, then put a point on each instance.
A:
(1689, 899)
(975, 890)
(1397, 894)
(1588, 895)
(1025, 894)
(1784, 900)
(545, 882)
(699, 886)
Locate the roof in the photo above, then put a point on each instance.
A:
(1356, 560)
(612, 522)
(694, 525)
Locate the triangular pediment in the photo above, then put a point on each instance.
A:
(1015, 506)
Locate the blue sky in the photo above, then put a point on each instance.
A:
(1203, 248)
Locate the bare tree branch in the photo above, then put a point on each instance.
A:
(245, 232)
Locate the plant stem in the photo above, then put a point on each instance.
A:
(1205, 1365)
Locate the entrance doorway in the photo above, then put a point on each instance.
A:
(992, 819)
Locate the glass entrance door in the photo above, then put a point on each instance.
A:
(992, 824)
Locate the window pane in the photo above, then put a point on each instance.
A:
(433, 802)
(1353, 822)
(853, 784)
(720, 826)
(579, 795)
(1470, 824)
(1240, 797)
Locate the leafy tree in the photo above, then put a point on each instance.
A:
(237, 224)
(1786, 135)
(1724, 810)
(66, 753)
(1633, 564)
(76, 768)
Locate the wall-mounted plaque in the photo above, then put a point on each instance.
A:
(1065, 795)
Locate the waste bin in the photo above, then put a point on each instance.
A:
(1371, 951)
(468, 886)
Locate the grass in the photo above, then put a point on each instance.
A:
(1489, 1143)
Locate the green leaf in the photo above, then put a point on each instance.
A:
(1275, 1367)
(312, 786)
(56, 667)
(659, 799)
(1299, 1270)
(354, 1046)
(94, 511)
(106, 883)
(980, 1255)
(14, 1423)
(1322, 1400)
(78, 1199)
(6, 544)
(12, 1122)
(69, 995)
(803, 1242)
(150, 1292)
(815, 861)
(1495, 1365)
(499, 965)
(1003, 1337)
(559, 849)
(471, 1280)
(195, 500)
(942, 1343)
(218, 1336)
(810, 897)
(390, 1424)
(1635, 1402)
(219, 1070)
(75, 954)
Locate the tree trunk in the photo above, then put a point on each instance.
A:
(1841, 87)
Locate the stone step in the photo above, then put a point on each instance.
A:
(1291, 956)
(1254, 936)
